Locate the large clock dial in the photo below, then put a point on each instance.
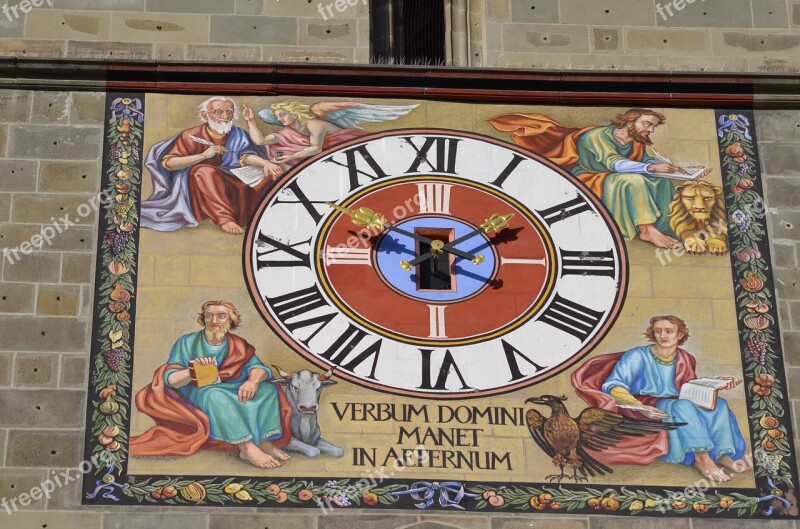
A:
(435, 263)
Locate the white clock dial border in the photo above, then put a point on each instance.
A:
(292, 215)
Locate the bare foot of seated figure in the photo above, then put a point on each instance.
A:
(250, 452)
(648, 232)
(740, 465)
(231, 227)
(270, 448)
(709, 469)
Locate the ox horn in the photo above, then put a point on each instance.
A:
(326, 375)
(282, 373)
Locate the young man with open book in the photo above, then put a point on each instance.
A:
(658, 381)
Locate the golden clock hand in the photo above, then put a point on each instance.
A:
(409, 265)
(437, 249)
(368, 218)
(361, 216)
(494, 223)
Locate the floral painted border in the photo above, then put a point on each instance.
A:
(768, 405)
(110, 391)
(109, 400)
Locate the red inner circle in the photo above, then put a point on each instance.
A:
(514, 289)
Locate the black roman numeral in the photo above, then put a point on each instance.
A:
(352, 165)
(585, 263)
(289, 306)
(572, 318)
(346, 343)
(303, 199)
(446, 153)
(448, 364)
(511, 357)
(510, 168)
(564, 210)
(298, 258)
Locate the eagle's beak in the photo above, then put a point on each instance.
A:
(535, 400)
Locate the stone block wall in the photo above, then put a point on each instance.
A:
(676, 35)
(661, 35)
(247, 31)
(49, 167)
(50, 144)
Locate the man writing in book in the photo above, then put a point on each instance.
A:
(612, 161)
(648, 379)
(238, 408)
(193, 177)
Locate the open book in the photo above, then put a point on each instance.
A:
(703, 391)
(693, 172)
(250, 175)
(204, 375)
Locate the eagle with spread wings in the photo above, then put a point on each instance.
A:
(566, 439)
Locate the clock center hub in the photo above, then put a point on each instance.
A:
(445, 278)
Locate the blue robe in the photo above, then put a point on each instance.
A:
(231, 421)
(715, 432)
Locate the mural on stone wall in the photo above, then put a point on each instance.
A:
(345, 304)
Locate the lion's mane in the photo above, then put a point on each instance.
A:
(681, 220)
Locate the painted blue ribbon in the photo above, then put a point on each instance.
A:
(777, 494)
(424, 493)
(107, 488)
(735, 122)
(126, 107)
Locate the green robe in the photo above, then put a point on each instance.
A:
(632, 198)
(231, 421)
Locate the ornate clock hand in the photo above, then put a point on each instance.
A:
(409, 265)
(370, 219)
(361, 216)
(494, 223)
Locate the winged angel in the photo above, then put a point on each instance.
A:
(307, 130)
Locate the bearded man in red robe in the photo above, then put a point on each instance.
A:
(193, 173)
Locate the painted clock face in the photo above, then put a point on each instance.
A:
(435, 263)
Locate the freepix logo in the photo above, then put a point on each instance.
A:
(326, 9)
(25, 6)
(666, 10)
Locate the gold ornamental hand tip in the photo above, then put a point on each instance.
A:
(496, 222)
(361, 216)
(478, 259)
(405, 265)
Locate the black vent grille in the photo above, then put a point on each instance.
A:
(408, 31)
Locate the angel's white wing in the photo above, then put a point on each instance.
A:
(348, 115)
(351, 117)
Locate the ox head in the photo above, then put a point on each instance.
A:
(303, 388)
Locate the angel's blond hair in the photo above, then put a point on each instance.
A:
(295, 108)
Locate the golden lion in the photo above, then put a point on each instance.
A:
(697, 216)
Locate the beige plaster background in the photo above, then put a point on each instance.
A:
(180, 270)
